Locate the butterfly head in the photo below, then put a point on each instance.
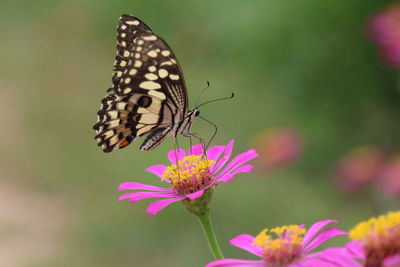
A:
(193, 114)
(196, 112)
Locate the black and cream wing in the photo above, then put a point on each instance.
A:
(148, 91)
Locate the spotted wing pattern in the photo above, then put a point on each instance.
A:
(148, 91)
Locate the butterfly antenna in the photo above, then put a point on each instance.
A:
(201, 94)
(214, 134)
(215, 100)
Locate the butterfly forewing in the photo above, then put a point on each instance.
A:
(148, 90)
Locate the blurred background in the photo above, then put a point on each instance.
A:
(317, 94)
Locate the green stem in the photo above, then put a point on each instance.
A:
(205, 221)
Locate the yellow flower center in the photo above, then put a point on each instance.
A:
(189, 175)
(284, 248)
(380, 237)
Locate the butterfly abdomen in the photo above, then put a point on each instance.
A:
(155, 138)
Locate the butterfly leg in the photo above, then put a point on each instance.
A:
(176, 147)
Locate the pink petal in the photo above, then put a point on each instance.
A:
(321, 262)
(158, 205)
(392, 261)
(235, 262)
(196, 150)
(225, 179)
(240, 160)
(228, 177)
(214, 152)
(225, 157)
(339, 256)
(324, 236)
(195, 195)
(157, 169)
(245, 242)
(136, 186)
(136, 196)
(356, 249)
(180, 153)
(314, 229)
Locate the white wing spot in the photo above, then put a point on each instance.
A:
(151, 76)
(127, 80)
(108, 134)
(113, 114)
(166, 63)
(140, 42)
(152, 53)
(123, 35)
(165, 53)
(122, 63)
(119, 73)
(150, 38)
(152, 68)
(149, 85)
(133, 22)
(127, 90)
(132, 72)
(123, 27)
(174, 77)
(137, 55)
(148, 118)
(126, 53)
(113, 124)
(138, 64)
(121, 105)
(123, 43)
(139, 48)
(162, 73)
(157, 94)
(113, 140)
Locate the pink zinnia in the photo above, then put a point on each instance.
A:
(358, 168)
(384, 29)
(376, 242)
(279, 147)
(191, 176)
(389, 179)
(290, 247)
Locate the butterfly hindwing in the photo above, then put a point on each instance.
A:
(148, 90)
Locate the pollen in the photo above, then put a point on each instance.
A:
(190, 174)
(380, 237)
(284, 246)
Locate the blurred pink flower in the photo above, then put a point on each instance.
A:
(279, 147)
(384, 30)
(358, 168)
(389, 179)
(290, 248)
(191, 176)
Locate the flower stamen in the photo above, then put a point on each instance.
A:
(380, 237)
(285, 248)
(190, 174)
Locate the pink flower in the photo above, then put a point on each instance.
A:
(279, 147)
(191, 176)
(389, 179)
(290, 248)
(376, 242)
(384, 29)
(358, 168)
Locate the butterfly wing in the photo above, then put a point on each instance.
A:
(148, 91)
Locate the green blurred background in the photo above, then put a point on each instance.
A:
(301, 64)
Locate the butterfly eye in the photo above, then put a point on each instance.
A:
(196, 113)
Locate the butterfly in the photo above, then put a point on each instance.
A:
(148, 95)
